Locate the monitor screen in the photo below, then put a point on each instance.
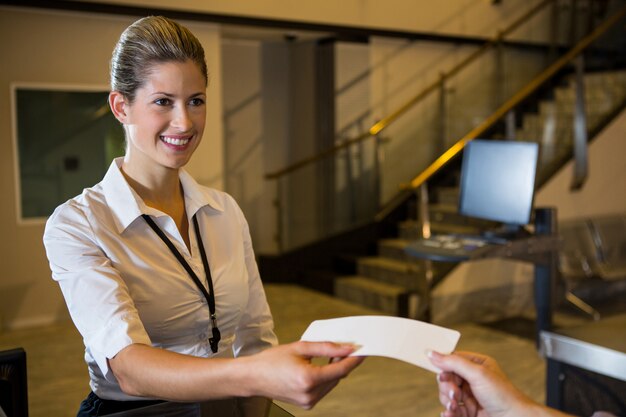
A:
(498, 180)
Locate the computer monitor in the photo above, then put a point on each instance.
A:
(498, 181)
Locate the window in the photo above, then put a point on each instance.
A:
(65, 141)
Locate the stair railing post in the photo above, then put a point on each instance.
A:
(555, 28)
(278, 237)
(573, 22)
(510, 125)
(442, 114)
(350, 183)
(424, 222)
(379, 159)
(500, 78)
(580, 127)
(509, 121)
(422, 210)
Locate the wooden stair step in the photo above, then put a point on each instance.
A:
(386, 298)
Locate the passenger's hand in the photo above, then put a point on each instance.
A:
(473, 385)
(286, 373)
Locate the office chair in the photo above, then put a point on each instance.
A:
(13, 384)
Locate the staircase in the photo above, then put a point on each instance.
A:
(395, 284)
(551, 125)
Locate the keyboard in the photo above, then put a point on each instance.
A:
(450, 248)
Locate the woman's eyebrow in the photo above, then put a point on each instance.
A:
(162, 93)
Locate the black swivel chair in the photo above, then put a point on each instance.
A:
(13, 384)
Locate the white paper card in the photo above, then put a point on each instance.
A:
(393, 337)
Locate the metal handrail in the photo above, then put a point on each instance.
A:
(382, 124)
(530, 88)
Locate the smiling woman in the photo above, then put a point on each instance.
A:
(169, 310)
(165, 121)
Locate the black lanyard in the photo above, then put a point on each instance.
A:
(209, 296)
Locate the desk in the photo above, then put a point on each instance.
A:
(230, 407)
(587, 367)
(540, 249)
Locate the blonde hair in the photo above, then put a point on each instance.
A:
(149, 41)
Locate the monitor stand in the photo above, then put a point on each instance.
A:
(505, 233)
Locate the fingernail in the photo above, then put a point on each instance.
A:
(451, 394)
(449, 406)
(348, 345)
(439, 377)
(354, 347)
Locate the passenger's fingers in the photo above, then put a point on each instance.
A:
(472, 356)
(472, 406)
(449, 377)
(463, 402)
(444, 392)
(464, 364)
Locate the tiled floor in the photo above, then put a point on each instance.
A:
(58, 379)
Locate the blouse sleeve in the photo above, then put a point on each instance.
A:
(255, 331)
(96, 296)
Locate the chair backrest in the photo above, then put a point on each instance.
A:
(13, 383)
(610, 236)
(594, 247)
(578, 257)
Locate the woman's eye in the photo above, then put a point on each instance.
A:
(196, 102)
(162, 101)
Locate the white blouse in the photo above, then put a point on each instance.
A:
(122, 285)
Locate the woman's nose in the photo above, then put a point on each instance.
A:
(181, 120)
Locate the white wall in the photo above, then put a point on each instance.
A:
(459, 17)
(256, 109)
(69, 49)
(605, 190)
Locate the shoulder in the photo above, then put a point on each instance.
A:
(75, 214)
(220, 200)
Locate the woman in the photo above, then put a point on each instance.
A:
(157, 271)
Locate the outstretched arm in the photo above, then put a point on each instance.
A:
(473, 385)
(283, 372)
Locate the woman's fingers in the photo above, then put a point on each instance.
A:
(286, 372)
(323, 349)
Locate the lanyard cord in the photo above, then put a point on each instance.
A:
(208, 295)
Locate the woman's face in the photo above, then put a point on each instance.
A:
(164, 123)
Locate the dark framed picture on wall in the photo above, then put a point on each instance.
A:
(64, 140)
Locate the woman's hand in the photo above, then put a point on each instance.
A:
(286, 373)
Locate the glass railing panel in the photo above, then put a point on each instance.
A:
(414, 141)
(300, 207)
(356, 188)
(355, 167)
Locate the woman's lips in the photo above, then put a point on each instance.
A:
(176, 140)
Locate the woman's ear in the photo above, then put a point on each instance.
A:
(118, 104)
